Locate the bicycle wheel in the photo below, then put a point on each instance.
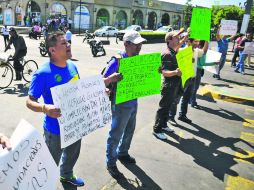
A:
(6, 76)
(29, 68)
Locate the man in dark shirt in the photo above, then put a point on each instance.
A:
(171, 84)
(240, 65)
(20, 51)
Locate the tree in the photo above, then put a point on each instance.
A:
(187, 13)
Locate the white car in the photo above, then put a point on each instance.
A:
(164, 29)
(106, 31)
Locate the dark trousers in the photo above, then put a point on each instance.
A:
(168, 95)
(185, 100)
(236, 54)
(16, 61)
(6, 39)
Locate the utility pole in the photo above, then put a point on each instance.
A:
(248, 6)
(79, 17)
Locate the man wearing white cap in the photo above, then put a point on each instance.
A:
(124, 114)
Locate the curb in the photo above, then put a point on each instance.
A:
(206, 91)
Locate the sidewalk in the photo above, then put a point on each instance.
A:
(233, 87)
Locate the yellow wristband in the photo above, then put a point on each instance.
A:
(43, 108)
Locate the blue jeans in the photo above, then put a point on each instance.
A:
(68, 155)
(222, 62)
(121, 132)
(195, 86)
(240, 64)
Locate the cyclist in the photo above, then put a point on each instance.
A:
(20, 51)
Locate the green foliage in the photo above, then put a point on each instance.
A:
(227, 13)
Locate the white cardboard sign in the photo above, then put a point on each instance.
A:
(228, 27)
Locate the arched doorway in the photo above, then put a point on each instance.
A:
(102, 18)
(8, 17)
(165, 19)
(33, 12)
(121, 20)
(81, 18)
(152, 20)
(138, 18)
(57, 10)
(1, 15)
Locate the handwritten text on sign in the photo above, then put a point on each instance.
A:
(200, 24)
(84, 106)
(29, 165)
(249, 48)
(140, 77)
(184, 61)
(228, 27)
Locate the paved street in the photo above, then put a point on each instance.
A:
(215, 152)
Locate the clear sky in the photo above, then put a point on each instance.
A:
(209, 3)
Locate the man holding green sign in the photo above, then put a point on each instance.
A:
(171, 84)
(123, 114)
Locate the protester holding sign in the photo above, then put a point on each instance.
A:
(123, 114)
(55, 72)
(171, 84)
(222, 48)
(240, 65)
(236, 50)
(4, 141)
(189, 91)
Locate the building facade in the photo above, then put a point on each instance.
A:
(92, 14)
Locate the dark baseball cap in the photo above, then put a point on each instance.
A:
(12, 29)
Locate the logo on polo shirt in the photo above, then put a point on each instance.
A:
(58, 78)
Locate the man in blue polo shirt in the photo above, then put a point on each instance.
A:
(222, 48)
(124, 114)
(53, 73)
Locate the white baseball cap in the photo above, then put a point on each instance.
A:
(133, 37)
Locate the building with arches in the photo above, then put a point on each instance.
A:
(92, 14)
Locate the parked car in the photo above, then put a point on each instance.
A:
(164, 29)
(106, 31)
(137, 28)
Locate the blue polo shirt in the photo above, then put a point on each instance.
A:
(46, 77)
(223, 46)
(112, 68)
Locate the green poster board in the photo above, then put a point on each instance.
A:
(140, 77)
(200, 24)
(184, 60)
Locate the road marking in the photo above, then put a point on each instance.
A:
(249, 111)
(244, 158)
(248, 123)
(239, 183)
(249, 137)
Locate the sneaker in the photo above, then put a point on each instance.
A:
(114, 172)
(184, 118)
(127, 159)
(195, 105)
(73, 180)
(236, 71)
(168, 129)
(172, 121)
(160, 136)
(218, 77)
(243, 73)
(214, 76)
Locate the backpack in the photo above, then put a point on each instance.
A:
(112, 86)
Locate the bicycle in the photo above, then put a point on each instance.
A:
(7, 71)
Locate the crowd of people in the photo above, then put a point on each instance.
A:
(124, 114)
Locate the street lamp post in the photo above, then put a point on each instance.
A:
(79, 17)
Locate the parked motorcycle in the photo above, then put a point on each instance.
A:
(96, 47)
(88, 36)
(43, 49)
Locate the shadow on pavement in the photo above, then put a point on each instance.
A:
(142, 182)
(206, 98)
(237, 83)
(222, 113)
(21, 90)
(216, 161)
